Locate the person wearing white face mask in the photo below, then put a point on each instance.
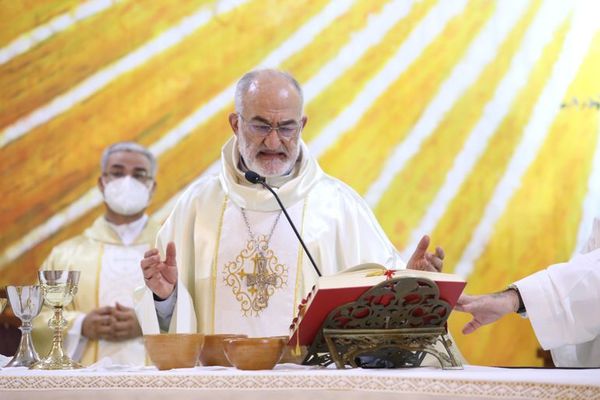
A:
(102, 322)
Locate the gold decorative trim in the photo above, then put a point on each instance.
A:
(214, 264)
(299, 276)
(96, 343)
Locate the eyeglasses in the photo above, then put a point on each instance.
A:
(286, 131)
(142, 177)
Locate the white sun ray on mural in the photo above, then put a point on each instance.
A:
(60, 23)
(92, 198)
(102, 78)
(575, 48)
(546, 21)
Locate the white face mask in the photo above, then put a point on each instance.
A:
(126, 196)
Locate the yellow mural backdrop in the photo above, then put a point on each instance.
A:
(476, 121)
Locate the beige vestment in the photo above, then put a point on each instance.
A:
(99, 245)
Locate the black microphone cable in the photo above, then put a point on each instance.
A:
(253, 177)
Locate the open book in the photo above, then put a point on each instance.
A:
(335, 290)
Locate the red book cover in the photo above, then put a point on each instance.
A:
(333, 291)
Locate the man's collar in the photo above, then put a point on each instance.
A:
(291, 188)
(129, 232)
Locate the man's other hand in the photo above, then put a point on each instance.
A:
(125, 323)
(487, 308)
(97, 324)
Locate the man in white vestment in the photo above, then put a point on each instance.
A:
(227, 260)
(103, 323)
(561, 302)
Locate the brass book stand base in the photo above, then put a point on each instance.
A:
(393, 325)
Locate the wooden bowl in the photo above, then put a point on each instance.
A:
(254, 353)
(174, 350)
(212, 352)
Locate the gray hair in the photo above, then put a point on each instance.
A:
(244, 84)
(131, 147)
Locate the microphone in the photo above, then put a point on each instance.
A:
(253, 177)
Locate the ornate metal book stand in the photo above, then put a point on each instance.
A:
(392, 325)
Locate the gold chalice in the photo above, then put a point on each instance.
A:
(58, 289)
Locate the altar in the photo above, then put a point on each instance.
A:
(289, 381)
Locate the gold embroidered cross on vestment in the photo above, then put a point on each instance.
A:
(260, 280)
(267, 273)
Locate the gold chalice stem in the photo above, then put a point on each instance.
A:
(57, 359)
(57, 323)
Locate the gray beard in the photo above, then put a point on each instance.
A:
(244, 168)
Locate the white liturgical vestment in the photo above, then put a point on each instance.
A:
(229, 283)
(562, 304)
(120, 275)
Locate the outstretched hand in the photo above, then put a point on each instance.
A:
(487, 308)
(425, 261)
(160, 276)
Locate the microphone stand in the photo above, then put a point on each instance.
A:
(253, 177)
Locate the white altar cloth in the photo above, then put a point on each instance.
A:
(291, 382)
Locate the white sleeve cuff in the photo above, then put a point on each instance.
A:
(558, 301)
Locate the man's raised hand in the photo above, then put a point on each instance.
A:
(160, 276)
(425, 261)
